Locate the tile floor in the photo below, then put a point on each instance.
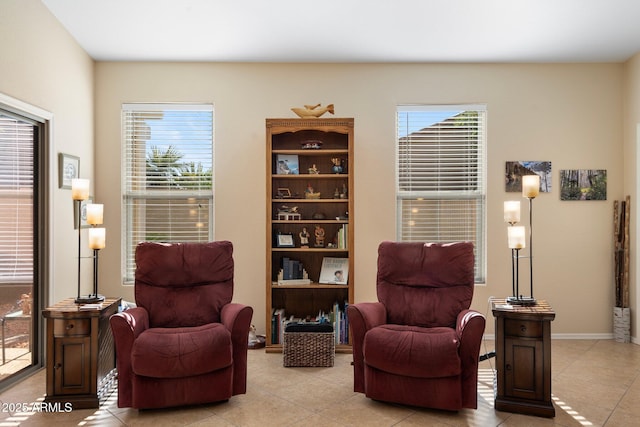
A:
(595, 383)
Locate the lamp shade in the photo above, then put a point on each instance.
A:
(512, 211)
(530, 186)
(95, 213)
(80, 189)
(516, 235)
(97, 238)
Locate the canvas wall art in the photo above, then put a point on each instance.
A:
(514, 171)
(583, 184)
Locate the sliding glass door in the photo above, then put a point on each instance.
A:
(20, 284)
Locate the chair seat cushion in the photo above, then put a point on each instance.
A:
(181, 352)
(413, 351)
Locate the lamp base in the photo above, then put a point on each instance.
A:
(89, 299)
(521, 300)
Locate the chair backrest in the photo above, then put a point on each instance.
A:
(183, 284)
(425, 284)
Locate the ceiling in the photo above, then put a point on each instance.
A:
(353, 30)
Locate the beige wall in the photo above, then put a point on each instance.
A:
(568, 114)
(41, 65)
(631, 185)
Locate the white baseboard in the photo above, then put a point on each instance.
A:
(606, 336)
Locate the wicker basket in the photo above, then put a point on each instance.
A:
(308, 349)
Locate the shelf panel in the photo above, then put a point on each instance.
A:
(311, 249)
(311, 221)
(310, 286)
(312, 152)
(307, 176)
(310, 200)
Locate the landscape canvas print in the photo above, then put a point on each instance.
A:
(514, 171)
(583, 184)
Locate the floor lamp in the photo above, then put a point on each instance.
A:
(80, 193)
(516, 237)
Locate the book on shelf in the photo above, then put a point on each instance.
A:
(341, 323)
(334, 271)
(342, 237)
(293, 282)
(292, 270)
(337, 317)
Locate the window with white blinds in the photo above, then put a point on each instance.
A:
(17, 140)
(441, 185)
(168, 175)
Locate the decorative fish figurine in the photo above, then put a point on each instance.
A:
(312, 111)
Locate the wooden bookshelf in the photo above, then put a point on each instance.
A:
(292, 171)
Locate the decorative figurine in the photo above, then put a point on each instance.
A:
(310, 194)
(319, 233)
(311, 144)
(312, 111)
(337, 165)
(313, 170)
(304, 238)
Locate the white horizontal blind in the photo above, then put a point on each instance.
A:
(17, 140)
(168, 175)
(441, 176)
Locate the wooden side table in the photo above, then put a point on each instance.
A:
(523, 358)
(80, 353)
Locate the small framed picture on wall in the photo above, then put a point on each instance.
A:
(68, 169)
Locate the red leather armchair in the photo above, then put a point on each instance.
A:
(420, 344)
(185, 343)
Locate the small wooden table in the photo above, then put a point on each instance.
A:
(80, 353)
(523, 358)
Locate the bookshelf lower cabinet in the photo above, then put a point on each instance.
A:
(310, 256)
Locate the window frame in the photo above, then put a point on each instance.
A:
(467, 196)
(173, 197)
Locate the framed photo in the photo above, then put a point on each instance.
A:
(283, 193)
(68, 169)
(83, 213)
(287, 164)
(514, 171)
(285, 241)
(334, 271)
(583, 184)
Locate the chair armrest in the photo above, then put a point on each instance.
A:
(470, 328)
(126, 327)
(237, 319)
(362, 317)
(129, 324)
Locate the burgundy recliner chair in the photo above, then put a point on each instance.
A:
(420, 344)
(185, 343)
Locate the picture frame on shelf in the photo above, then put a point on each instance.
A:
(68, 169)
(285, 241)
(283, 193)
(334, 271)
(287, 164)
